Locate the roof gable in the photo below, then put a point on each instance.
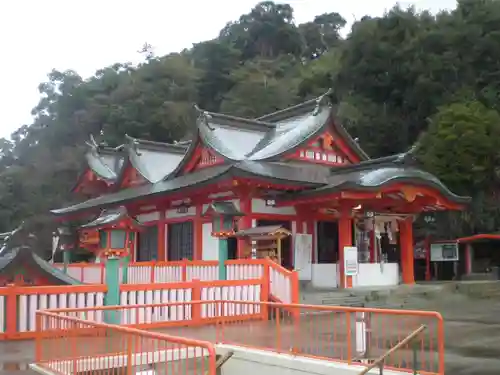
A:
(200, 156)
(302, 124)
(154, 161)
(325, 149)
(128, 177)
(279, 136)
(291, 133)
(233, 138)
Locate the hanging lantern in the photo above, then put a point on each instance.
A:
(116, 232)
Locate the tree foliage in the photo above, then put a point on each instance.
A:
(398, 78)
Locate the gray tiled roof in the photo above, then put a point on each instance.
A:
(273, 136)
(291, 133)
(198, 178)
(154, 161)
(223, 208)
(110, 216)
(290, 174)
(98, 165)
(11, 259)
(372, 176)
(229, 142)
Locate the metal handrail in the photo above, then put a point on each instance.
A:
(396, 347)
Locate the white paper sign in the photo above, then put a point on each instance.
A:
(303, 255)
(350, 260)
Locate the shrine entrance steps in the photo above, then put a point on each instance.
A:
(417, 296)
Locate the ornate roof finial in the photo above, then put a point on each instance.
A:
(204, 116)
(323, 100)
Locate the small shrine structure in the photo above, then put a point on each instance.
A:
(20, 265)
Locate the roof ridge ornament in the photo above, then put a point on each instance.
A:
(133, 144)
(94, 147)
(321, 101)
(409, 156)
(204, 116)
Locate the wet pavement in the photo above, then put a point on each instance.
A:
(15, 356)
(472, 331)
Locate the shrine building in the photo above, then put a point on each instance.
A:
(21, 266)
(296, 169)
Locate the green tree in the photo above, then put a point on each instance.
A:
(321, 34)
(267, 31)
(262, 86)
(462, 147)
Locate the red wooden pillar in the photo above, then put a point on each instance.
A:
(162, 253)
(345, 240)
(407, 258)
(245, 222)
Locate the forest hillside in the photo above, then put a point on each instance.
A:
(404, 78)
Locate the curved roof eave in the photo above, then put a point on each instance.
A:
(447, 193)
(210, 139)
(111, 216)
(198, 178)
(99, 167)
(309, 105)
(360, 181)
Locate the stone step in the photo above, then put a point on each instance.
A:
(350, 301)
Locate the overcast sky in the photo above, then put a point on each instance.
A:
(37, 36)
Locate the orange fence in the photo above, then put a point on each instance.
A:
(18, 305)
(324, 332)
(146, 272)
(283, 283)
(147, 295)
(67, 345)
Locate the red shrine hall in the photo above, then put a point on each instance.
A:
(350, 217)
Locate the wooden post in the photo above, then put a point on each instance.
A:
(407, 257)
(196, 296)
(345, 240)
(11, 316)
(161, 252)
(265, 291)
(113, 294)
(245, 222)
